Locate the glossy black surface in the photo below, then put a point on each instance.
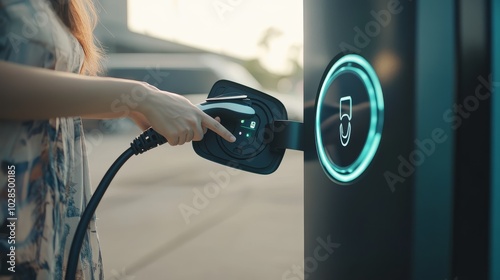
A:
(252, 151)
(370, 219)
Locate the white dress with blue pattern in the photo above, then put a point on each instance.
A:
(52, 179)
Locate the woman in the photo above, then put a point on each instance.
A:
(44, 167)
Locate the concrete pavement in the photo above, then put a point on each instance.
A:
(236, 225)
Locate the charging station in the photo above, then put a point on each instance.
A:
(398, 145)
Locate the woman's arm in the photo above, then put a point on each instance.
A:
(34, 93)
(135, 116)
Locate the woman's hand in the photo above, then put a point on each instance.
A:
(177, 119)
(51, 94)
(140, 120)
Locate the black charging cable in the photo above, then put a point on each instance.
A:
(148, 140)
(236, 106)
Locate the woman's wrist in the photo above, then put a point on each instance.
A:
(143, 95)
(126, 98)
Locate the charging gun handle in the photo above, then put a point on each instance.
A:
(236, 109)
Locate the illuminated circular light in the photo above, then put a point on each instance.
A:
(357, 65)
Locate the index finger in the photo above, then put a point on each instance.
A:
(218, 128)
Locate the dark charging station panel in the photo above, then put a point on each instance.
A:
(353, 137)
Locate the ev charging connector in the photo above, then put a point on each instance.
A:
(259, 122)
(261, 140)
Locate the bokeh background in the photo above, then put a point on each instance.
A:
(161, 218)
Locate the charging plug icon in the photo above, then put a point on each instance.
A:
(345, 112)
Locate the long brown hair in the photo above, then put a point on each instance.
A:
(81, 18)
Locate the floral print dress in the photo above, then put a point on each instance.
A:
(44, 161)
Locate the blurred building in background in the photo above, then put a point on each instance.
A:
(245, 33)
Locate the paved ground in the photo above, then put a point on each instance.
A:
(252, 228)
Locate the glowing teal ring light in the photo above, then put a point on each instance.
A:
(355, 64)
